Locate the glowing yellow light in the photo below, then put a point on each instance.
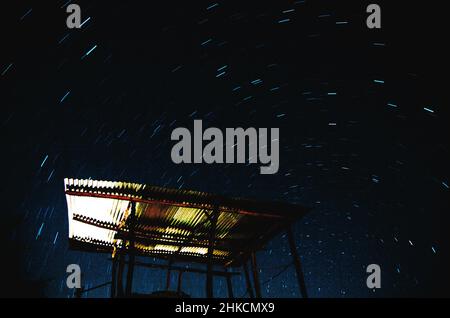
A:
(195, 250)
(166, 248)
(102, 209)
(88, 214)
(176, 231)
(188, 215)
(91, 232)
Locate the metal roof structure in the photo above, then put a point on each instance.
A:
(173, 224)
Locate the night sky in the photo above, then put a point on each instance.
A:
(361, 117)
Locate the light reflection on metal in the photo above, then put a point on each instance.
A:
(167, 221)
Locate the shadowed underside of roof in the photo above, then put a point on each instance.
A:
(170, 223)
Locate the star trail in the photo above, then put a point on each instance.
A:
(362, 126)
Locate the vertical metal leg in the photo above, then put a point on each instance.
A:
(247, 281)
(120, 292)
(129, 285)
(297, 263)
(229, 286)
(256, 275)
(212, 235)
(113, 276)
(180, 276)
(168, 279)
(131, 251)
(78, 292)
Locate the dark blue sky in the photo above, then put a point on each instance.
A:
(360, 114)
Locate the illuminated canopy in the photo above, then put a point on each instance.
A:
(169, 222)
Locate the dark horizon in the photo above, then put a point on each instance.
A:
(362, 119)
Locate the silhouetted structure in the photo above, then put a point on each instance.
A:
(129, 220)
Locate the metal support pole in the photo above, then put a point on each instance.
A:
(256, 275)
(131, 251)
(180, 276)
(113, 276)
(168, 279)
(212, 236)
(297, 263)
(247, 281)
(229, 286)
(120, 273)
(78, 292)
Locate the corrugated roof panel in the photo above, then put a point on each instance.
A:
(168, 221)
